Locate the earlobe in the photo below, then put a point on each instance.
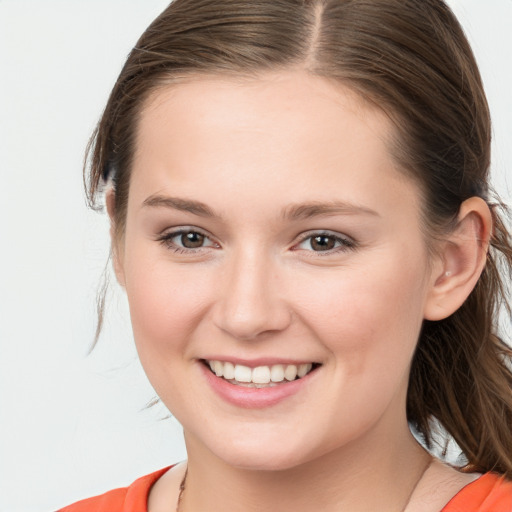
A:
(461, 261)
(116, 250)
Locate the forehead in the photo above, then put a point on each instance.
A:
(300, 134)
(294, 99)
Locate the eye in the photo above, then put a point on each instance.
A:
(183, 240)
(191, 240)
(325, 242)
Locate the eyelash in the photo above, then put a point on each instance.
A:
(345, 243)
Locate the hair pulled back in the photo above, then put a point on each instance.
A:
(411, 59)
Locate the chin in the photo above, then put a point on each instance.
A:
(261, 455)
(263, 462)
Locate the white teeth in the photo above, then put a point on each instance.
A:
(290, 372)
(277, 373)
(242, 373)
(261, 376)
(304, 369)
(229, 371)
(218, 368)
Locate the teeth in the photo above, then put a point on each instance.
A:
(304, 369)
(277, 373)
(290, 373)
(242, 373)
(229, 371)
(261, 376)
(218, 368)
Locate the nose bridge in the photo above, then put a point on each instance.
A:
(251, 301)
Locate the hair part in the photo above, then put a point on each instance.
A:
(412, 60)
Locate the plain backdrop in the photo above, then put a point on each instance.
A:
(70, 425)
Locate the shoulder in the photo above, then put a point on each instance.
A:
(489, 493)
(125, 499)
(112, 501)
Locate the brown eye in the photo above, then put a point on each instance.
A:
(184, 240)
(329, 243)
(322, 243)
(192, 240)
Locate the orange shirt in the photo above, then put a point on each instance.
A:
(489, 493)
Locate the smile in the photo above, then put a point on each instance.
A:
(260, 376)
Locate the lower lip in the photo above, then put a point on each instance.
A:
(254, 398)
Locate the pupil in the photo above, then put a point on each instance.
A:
(322, 243)
(192, 240)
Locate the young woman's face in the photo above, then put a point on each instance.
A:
(269, 228)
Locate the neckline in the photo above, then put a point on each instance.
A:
(142, 487)
(470, 490)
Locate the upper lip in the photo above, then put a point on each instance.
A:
(260, 361)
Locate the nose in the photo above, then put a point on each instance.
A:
(251, 299)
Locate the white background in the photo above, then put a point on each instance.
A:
(72, 426)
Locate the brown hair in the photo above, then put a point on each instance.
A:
(412, 60)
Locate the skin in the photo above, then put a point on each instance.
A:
(251, 151)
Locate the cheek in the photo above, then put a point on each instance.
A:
(372, 314)
(166, 302)
(369, 321)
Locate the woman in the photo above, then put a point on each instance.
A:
(302, 222)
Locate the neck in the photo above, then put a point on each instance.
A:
(371, 474)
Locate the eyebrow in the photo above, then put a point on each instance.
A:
(308, 210)
(300, 211)
(177, 203)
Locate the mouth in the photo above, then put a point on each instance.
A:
(260, 376)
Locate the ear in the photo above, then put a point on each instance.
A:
(115, 243)
(461, 260)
